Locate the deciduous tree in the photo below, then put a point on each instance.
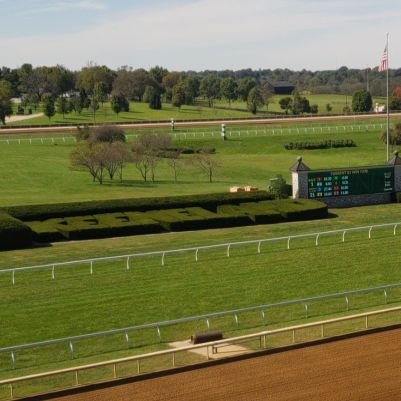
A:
(5, 101)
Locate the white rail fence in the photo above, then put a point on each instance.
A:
(128, 259)
(71, 377)
(205, 133)
(380, 294)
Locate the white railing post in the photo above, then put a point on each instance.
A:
(13, 359)
(196, 254)
(306, 310)
(127, 339)
(395, 229)
(158, 332)
(347, 303)
(228, 250)
(288, 242)
(127, 264)
(385, 296)
(71, 345)
(13, 277)
(344, 235)
(11, 391)
(370, 232)
(91, 267)
(53, 275)
(208, 323)
(163, 254)
(236, 319)
(76, 378)
(317, 240)
(259, 244)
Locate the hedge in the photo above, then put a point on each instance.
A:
(93, 226)
(178, 219)
(14, 234)
(206, 201)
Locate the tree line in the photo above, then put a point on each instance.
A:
(59, 89)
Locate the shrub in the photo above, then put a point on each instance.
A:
(340, 143)
(206, 201)
(14, 234)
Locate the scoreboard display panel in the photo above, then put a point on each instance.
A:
(358, 181)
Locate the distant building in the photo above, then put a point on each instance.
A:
(379, 108)
(282, 87)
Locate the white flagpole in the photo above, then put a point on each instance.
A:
(388, 111)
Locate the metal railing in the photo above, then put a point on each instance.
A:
(236, 315)
(128, 258)
(262, 340)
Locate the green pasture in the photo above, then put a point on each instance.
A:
(138, 112)
(38, 307)
(36, 169)
(221, 109)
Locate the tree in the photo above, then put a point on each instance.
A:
(100, 92)
(152, 96)
(228, 89)
(75, 104)
(178, 95)
(328, 107)
(94, 106)
(394, 135)
(361, 101)
(300, 104)
(244, 87)
(85, 158)
(394, 103)
(62, 106)
(210, 88)
(314, 109)
(285, 103)
(119, 103)
(115, 158)
(191, 86)
(148, 150)
(173, 161)
(279, 188)
(107, 134)
(100, 157)
(255, 100)
(267, 94)
(5, 101)
(206, 163)
(170, 80)
(48, 105)
(91, 75)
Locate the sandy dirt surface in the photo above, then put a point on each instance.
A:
(366, 368)
(20, 118)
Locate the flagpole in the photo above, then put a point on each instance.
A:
(388, 111)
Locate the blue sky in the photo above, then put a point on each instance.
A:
(200, 34)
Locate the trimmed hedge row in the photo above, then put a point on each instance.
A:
(206, 201)
(339, 143)
(14, 234)
(177, 219)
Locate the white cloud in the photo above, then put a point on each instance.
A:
(219, 34)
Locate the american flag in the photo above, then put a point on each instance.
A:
(383, 66)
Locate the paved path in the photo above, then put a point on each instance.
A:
(361, 368)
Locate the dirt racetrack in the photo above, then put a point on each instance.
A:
(365, 368)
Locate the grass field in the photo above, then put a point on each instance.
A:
(38, 308)
(113, 297)
(39, 172)
(237, 109)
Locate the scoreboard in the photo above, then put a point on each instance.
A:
(353, 181)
